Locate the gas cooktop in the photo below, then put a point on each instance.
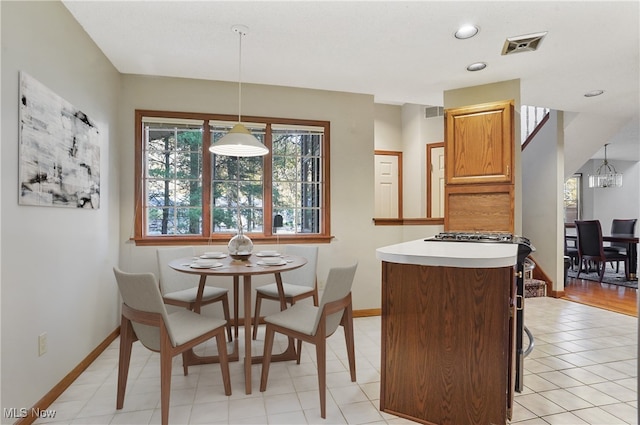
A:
(479, 237)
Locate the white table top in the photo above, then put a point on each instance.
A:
(450, 254)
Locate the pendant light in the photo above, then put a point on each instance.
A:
(606, 175)
(239, 141)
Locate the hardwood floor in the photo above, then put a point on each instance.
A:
(610, 297)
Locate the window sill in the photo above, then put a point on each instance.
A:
(224, 240)
(408, 221)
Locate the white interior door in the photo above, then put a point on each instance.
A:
(386, 184)
(437, 182)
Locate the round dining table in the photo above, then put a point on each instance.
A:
(227, 266)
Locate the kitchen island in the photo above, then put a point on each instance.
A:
(448, 331)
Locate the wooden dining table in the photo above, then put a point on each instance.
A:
(246, 269)
(632, 250)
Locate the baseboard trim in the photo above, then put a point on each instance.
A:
(368, 312)
(61, 386)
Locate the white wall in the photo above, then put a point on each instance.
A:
(387, 127)
(56, 262)
(417, 132)
(542, 207)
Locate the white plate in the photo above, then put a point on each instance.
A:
(216, 256)
(268, 254)
(205, 266)
(262, 263)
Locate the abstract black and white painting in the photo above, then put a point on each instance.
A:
(59, 150)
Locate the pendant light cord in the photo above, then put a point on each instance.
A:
(240, 34)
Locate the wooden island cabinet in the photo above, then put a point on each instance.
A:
(448, 332)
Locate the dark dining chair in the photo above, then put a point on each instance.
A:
(621, 227)
(570, 251)
(590, 248)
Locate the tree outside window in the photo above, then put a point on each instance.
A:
(188, 194)
(572, 191)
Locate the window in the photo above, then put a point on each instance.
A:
(186, 194)
(572, 190)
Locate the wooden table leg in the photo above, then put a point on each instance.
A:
(290, 352)
(189, 357)
(198, 303)
(236, 304)
(632, 261)
(247, 332)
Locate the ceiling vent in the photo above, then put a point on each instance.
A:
(433, 111)
(523, 43)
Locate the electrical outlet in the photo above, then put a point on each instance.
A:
(42, 343)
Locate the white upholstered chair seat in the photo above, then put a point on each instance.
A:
(290, 290)
(189, 295)
(299, 317)
(181, 289)
(297, 284)
(186, 325)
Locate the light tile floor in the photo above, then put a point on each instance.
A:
(582, 370)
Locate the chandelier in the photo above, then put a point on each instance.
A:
(606, 175)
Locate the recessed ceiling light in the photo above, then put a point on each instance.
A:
(593, 93)
(478, 66)
(466, 31)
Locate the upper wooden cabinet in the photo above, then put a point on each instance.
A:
(479, 143)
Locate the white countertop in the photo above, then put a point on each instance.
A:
(450, 254)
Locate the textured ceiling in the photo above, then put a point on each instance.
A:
(399, 52)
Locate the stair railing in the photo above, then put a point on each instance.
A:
(532, 119)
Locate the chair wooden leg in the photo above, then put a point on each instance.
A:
(601, 267)
(227, 316)
(256, 316)
(127, 337)
(347, 323)
(266, 358)
(580, 265)
(298, 350)
(165, 378)
(321, 357)
(224, 362)
(185, 364)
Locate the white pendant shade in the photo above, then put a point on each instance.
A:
(239, 142)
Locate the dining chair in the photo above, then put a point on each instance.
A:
(314, 324)
(145, 318)
(570, 251)
(181, 289)
(625, 227)
(297, 284)
(590, 248)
